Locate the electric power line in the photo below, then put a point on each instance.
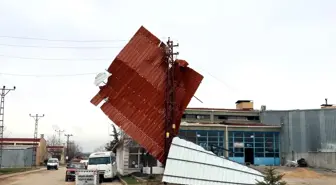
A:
(60, 40)
(67, 59)
(52, 75)
(61, 47)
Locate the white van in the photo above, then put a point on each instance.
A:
(53, 163)
(104, 163)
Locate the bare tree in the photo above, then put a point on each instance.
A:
(74, 150)
(6, 133)
(100, 149)
(52, 140)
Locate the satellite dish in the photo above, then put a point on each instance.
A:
(101, 77)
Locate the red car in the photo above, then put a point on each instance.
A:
(71, 170)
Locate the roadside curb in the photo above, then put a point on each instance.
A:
(21, 173)
(122, 181)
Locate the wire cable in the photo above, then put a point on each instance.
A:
(38, 58)
(50, 75)
(56, 40)
(61, 47)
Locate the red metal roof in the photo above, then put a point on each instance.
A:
(55, 147)
(136, 91)
(21, 139)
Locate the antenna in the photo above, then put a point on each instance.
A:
(101, 77)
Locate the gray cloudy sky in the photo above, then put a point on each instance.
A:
(277, 53)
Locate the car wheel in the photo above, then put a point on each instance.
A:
(66, 179)
(48, 168)
(56, 168)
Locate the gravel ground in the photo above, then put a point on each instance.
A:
(305, 176)
(52, 177)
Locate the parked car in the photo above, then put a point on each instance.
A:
(70, 173)
(53, 163)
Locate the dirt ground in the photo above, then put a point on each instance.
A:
(50, 177)
(305, 176)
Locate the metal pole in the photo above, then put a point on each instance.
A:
(59, 136)
(36, 117)
(4, 92)
(67, 150)
(170, 97)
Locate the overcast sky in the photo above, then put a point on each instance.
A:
(278, 53)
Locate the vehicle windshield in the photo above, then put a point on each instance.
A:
(99, 160)
(77, 165)
(52, 161)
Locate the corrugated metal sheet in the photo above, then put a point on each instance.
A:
(136, 91)
(304, 131)
(191, 164)
(16, 157)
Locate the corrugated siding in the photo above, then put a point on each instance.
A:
(304, 130)
(16, 158)
(191, 164)
(136, 91)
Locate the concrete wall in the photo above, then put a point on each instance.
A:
(325, 160)
(303, 131)
(16, 158)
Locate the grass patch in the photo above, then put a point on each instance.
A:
(4, 171)
(130, 180)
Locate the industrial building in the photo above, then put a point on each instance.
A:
(247, 135)
(237, 134)
(265, 137)
(41, 150)
(309, 134)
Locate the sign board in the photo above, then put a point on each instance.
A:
(87, 177)
(238, 145)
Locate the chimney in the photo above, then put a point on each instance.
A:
(326, 105)
(244, 104)
(42, 136)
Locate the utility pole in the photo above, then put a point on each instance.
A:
(170, 127)
(36, 117)
(67, 150)
(59, 136)
(4, 92)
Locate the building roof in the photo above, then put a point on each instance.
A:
(13, 147)
(136, 91)
(220, 109)
(21, 139)
(55, 146)
(241, 125)
(187, 155)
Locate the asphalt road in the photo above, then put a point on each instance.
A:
(47, 177)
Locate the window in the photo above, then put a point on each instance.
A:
(52, 161)
(259, 140)
(133, 161)
(77, 165)
(99, 160)
(239, 154)
(238, 139)
(259, 155)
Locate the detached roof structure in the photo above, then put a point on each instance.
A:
(136, 89)
(189, 163)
